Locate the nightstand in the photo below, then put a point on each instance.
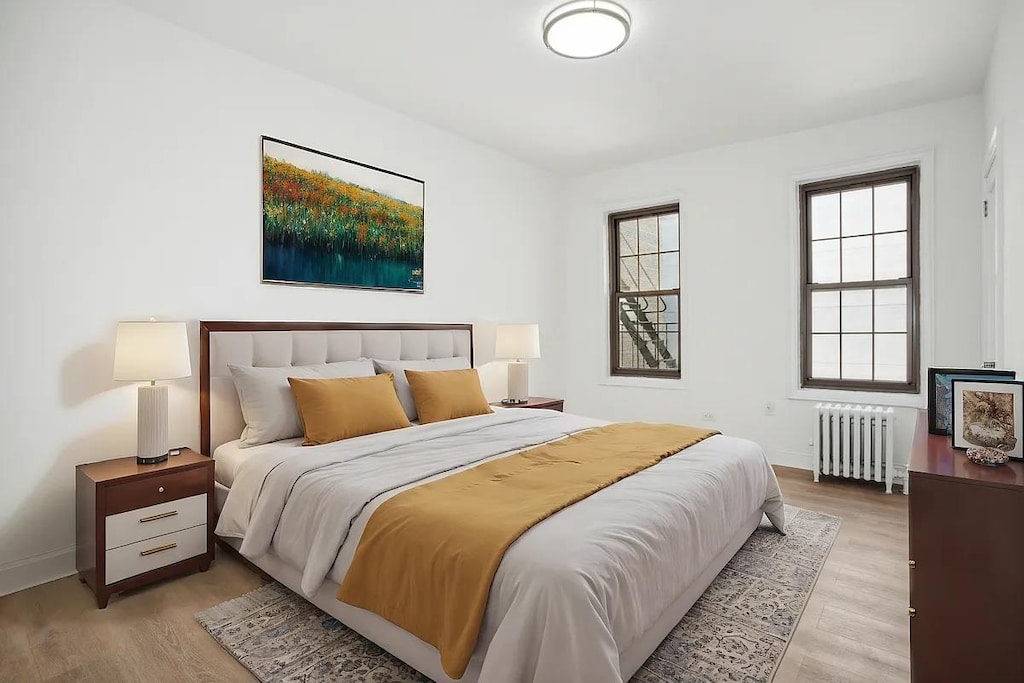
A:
(137, 524)
(536, 402)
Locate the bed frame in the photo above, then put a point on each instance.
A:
(278, 344)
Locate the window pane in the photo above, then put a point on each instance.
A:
(629, 274)
(668, 227)
(669, 332)
(824, 311)
(891, 256)
(825, 356)
(648, 271)
(629, 356)
(856, 259)
(648, 235)
(891, 357)
(891, 207)
(673, 345)
(669, 270)
(824, 216)
(856, 210)
(891, 309)
(627, 238)
(856, 310)
(856, 356)
(648, 336)
(825, 261)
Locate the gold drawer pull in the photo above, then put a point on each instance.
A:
(162, 548)
(162, 515)
(911, 563)
(911, 611)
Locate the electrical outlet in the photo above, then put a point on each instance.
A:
(709, 416)
(769, 408)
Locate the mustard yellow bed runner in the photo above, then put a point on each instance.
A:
(428, 555)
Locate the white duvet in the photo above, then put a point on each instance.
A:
(571, 593)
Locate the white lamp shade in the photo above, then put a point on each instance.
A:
(517, 341)
(148, 351)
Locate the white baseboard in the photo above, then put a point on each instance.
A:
(801, 461)
(32, 571)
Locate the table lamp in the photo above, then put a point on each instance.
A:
(517, 342)
(147, 352)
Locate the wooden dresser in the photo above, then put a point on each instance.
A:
(142, 523)
(966, 565)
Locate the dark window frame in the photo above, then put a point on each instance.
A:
(615, 294)
(911, 174)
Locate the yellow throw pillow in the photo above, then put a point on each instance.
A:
(447, 394)
(344, 407)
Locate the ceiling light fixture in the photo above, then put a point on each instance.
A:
(585, 29)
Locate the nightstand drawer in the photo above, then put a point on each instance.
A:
(144, 556)
(155, 490)
(155, 520)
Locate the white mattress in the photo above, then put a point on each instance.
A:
(230, 456)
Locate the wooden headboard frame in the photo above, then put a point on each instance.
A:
(206, 327)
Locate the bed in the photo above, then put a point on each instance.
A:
(585, 595)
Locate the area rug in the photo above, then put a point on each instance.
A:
(737, 631)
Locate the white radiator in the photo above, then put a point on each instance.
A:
(854, 441)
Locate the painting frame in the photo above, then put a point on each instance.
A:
(963, 389)
(352, 175)
(940, 393)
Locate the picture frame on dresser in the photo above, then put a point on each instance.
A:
(988, 414)
(940, 392)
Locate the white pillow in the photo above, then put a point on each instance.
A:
(268, 404)
(398, 368)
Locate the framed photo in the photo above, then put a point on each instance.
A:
(940, 392)
(990, 414)
(333, 222)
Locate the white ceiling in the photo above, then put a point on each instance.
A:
(694, 74)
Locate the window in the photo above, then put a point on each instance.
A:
(644, 320)
(859, 274)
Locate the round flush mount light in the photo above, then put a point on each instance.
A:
(585, 29)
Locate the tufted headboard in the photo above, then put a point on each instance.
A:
(279, 344)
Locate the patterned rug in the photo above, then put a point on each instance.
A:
(737, 631)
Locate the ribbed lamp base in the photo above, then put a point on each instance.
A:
(518, 382)
(152, 421)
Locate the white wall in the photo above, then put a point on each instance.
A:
(1004, 109)
(739, 263)
(130, 187)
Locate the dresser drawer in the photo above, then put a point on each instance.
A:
(133, 495)
(144, 556)
(155, 520)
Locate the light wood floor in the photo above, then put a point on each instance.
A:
(855, 627)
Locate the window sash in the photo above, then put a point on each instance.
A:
(911, 175)
(617, 294)
(619, 369)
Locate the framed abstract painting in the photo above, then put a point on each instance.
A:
(329, 221)
(988, 414)
(940, 392)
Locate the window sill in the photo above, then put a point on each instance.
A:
(663, 383)
(860, 397)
